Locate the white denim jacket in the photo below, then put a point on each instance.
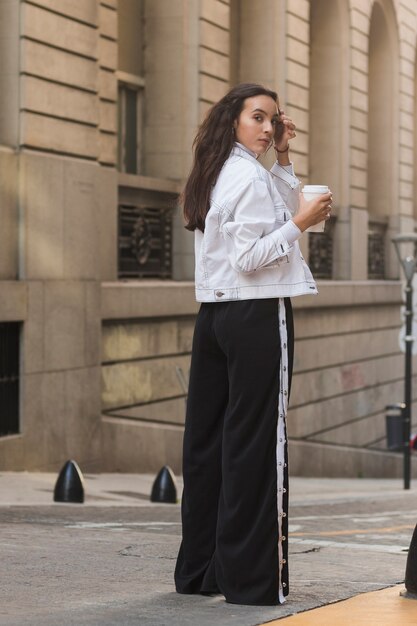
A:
(249, 248)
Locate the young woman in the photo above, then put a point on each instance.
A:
(246, 222)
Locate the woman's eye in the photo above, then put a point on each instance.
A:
(258, 118)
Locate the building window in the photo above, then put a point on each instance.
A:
(145, 204)
(9, 378)
(130, 114)
(130, 75)
(376, 249)
(320, 251)
(145, 235)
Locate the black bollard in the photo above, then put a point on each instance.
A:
(164, 488)
(411, 569)
(69, 486)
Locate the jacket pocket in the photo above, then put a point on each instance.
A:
(277, 262)
(282, 214)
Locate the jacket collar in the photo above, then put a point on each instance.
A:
(243, 151)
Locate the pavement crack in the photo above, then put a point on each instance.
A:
(133, 551)
(306, 551)
(129, 551)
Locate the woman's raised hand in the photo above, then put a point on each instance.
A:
(284, 132)
(312, 212)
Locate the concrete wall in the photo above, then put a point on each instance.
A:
(54, 207)
(348, 366)
(99, 356)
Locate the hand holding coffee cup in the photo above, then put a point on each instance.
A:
(314, 209)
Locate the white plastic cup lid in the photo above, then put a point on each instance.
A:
(315, 189)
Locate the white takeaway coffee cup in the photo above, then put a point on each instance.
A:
(310, 192)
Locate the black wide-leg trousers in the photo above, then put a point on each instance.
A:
(235, 500)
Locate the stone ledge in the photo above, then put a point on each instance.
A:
(346, 293)
(130, 446)
(149, 183)
(137, 446)
(136, 299)
(309, 458)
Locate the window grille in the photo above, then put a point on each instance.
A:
(9, 378)
(376, 250)
(320, 252)
(145, 236)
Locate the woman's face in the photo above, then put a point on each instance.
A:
(255, 126)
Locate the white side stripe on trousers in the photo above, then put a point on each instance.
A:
(282, 414)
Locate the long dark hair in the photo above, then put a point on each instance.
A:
(212, 146)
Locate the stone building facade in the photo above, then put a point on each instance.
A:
(99, 104)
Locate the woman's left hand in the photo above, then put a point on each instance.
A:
(284, 132)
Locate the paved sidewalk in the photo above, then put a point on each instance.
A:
(110, 560)
(378, 608)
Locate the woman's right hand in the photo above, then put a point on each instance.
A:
(312, 212)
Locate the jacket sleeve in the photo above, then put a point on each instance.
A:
(287, 184)
(250, 232)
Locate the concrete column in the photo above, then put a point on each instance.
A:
(9, 136)
(343, 249)
(60, 214)
(172, 113)
(383, 136)
(358, 247)
(262, 44)
(9, 72)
